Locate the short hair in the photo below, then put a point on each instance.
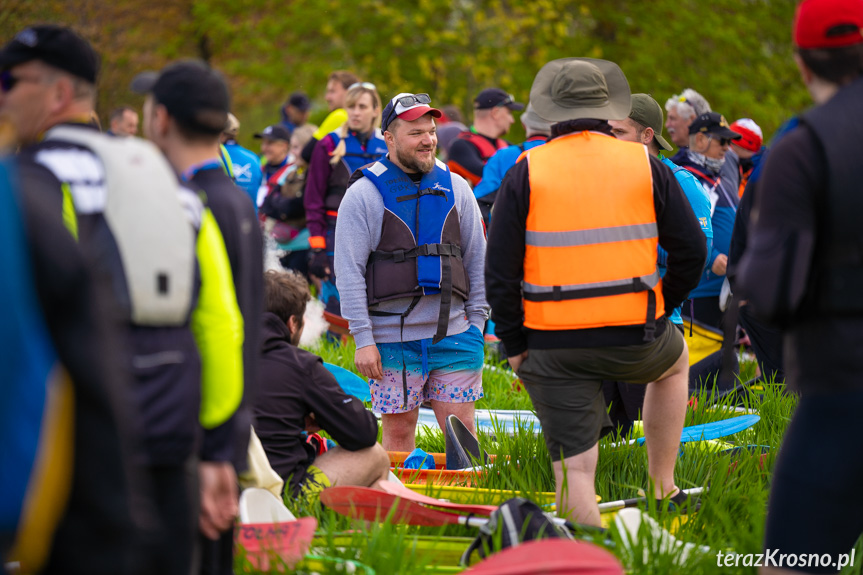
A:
(81, 89)
(835, 65)
(286, 294)
(343, 77)
(452, 112)
(688, 104)
(639, 128)
(303, 135)
(117, 113)
(692, 138)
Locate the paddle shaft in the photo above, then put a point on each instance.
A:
(610, 506)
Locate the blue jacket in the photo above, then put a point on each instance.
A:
(724, 200)
(700, 202)
(247, 170)
(500, 163)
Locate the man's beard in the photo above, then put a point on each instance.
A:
(413, 163)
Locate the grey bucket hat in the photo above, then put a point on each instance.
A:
(533, 123)
(578, 88)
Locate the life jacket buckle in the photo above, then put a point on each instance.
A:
(556, 293)
(432, 249)
(399, 256)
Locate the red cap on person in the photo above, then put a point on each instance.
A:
(751, 132)
(407, 107)
(828, 23)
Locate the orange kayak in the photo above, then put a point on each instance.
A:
(437, 476)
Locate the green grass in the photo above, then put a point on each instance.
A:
(732, 515)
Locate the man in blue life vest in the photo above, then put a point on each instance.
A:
(409, 250)
(709, 139)
(492, 118)
(246, 165)
(644, 125)
(803, 270)
(537, 131)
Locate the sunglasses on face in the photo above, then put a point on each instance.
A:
(722, 141)
(7, 81)
(407, 102)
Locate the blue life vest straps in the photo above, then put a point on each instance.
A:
(425, 209)
(356, 156)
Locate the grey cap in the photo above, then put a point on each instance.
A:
(647, 112)
(577, 88)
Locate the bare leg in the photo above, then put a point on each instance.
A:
(399, 430)
(364, 467)
(464, 411)
(576, 500)
(664, 412)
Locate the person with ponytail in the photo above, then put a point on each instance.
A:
(356, 143)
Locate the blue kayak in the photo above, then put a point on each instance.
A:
(350, 382)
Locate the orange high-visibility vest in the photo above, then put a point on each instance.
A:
(590, 253)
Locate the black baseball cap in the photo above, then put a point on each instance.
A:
(494, 97)
(195, 94)
(275, 132)
(300, 101)
(54, 45)
(713, 123)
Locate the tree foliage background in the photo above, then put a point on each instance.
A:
(737, 53)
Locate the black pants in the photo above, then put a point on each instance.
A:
(625, 402)
(766, 343)
(706, 310)
(168, 540)
(816, 504)
(217, 557)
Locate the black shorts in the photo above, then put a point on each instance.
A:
(565, 386)
(816, 500)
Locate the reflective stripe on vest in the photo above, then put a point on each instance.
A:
(591, 237)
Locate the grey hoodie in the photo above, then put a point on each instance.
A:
(358, 233)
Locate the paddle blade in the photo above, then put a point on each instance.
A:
(405, 493)
(289, 541)
(716, 429)
(375, 505)
(550, 557)
(462, 447)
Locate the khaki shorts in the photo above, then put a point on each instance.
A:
(565, 386)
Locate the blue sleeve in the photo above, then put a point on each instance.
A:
(492, 176)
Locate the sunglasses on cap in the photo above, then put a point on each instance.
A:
(407, 102)
(366, 85)
(506, 101)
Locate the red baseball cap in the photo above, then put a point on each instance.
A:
(751, 132)
(828, 23)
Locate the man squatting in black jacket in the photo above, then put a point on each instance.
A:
(298, 394)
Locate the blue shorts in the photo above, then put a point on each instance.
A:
(449, 371)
